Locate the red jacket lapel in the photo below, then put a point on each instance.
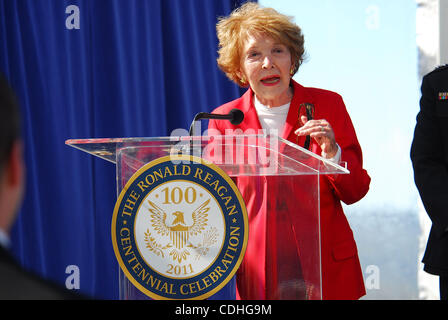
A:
(251, 121)
(301, 95)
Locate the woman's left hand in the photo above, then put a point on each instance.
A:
(321, 131)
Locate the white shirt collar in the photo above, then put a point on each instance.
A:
(277, 110)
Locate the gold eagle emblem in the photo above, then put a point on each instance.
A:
(178, 230)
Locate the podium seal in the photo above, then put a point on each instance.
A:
(179, 229)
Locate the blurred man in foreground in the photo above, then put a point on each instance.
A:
(15, 282)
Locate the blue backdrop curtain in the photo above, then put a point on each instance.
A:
(133, 68)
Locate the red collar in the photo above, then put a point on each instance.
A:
(301, 95)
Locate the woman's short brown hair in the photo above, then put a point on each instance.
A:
(252, 19)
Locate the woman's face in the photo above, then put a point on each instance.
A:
(266, 65)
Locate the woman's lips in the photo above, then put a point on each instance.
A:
(270, 81)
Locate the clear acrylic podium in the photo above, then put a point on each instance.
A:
(279, 182)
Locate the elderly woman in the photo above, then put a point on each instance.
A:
(262, 49)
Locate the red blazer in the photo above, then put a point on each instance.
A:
(342, 277)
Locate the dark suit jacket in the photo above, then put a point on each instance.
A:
(429, 155)
(17, 283)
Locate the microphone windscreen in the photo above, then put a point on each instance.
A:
(237, 116)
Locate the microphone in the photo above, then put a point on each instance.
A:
(235, 116)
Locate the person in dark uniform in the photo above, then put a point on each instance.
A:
(16, 282)
(429, 155)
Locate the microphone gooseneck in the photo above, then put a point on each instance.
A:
(235, 116)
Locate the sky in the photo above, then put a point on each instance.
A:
(366, 51)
